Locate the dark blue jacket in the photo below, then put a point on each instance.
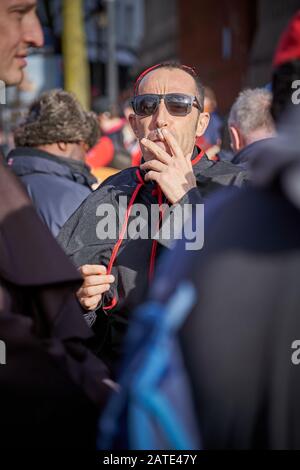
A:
(56, 185)
(246, 155)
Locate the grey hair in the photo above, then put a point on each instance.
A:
(252, 111)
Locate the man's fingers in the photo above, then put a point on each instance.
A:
(97, 280)
(172, 143)
(154, 165)
(89, 297)
(90, 303)
(159, 153)
(93, 290)
(102, 283)
(90, 269)
(152, 176)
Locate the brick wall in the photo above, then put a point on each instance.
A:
(216, 36)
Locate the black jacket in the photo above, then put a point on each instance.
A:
(134, 258)
(237, 341)
(56, 185)
(51, 387)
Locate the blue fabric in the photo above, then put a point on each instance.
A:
(155, 398)
(213, 133)
(55, 188)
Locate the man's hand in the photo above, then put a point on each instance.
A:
(174, 174)
(95, 283)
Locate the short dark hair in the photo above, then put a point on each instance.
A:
(176, 66)
(283, 77)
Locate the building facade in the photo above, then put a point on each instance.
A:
(231, 43)
(271, 19)
(161, 33)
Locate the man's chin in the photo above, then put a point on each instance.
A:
(12, 78)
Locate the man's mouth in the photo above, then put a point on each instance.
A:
(21, 58)
(156, 136)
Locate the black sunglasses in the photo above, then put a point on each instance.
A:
(178, 104)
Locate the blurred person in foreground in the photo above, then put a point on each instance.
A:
(51, 145)
(118, 265)
(51, 386)
(241, 340)
(250, 124)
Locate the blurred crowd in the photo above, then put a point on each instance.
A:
(122, 339)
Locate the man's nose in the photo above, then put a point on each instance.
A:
(33, 33)
(162, 115)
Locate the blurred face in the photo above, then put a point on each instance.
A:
(19, 29)
(185, 129)
(75, 151)
(208, 105)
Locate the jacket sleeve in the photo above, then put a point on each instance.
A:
(193, 196)
(90, 234)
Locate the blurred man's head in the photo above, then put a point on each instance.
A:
(286, 64)
(108, 115)
(58, 124)
(210, 100)
(250, 118)
(182, 114)
(19, 30)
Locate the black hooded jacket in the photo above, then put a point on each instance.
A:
(52, 387)
(130, 260)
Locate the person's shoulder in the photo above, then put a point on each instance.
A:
(122, 182)
(56, 185)
(127, 176)
(208, 167)
(226, 167)
(229, 174)
(221, 171)
(72, 191)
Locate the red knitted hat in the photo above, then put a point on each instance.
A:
(288, 48)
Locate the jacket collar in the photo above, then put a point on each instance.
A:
(26, 160)
(246, 155)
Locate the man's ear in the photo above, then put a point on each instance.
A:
(236, 139)
(203, 122)
(133, 122)
(63, 146)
